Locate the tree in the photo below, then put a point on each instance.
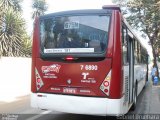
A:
(39, 7)
(11, 32)
(12, 29)
(27, 44)
(144, 15)
(15, 4)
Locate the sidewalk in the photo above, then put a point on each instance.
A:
(151, 98)
(155, 100)
(148, 102)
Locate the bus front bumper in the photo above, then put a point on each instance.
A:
(78, 104)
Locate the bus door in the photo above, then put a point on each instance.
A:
(128, 64)
(131, 67)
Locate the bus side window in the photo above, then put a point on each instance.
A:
(138, 53)
(124, 45)
(144, 56)
(135, 52)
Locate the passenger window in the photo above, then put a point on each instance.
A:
(124, 45)
(135, 52)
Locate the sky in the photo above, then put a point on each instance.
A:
(63, 5)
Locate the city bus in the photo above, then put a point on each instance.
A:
(87, 62)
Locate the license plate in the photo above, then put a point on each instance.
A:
(70, 90)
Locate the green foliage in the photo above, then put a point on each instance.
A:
(13, 38)
(39, 7)
(144, 15)
(27, 44)
(11, 32)
(15, 4)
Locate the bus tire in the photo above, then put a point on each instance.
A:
(135, 99)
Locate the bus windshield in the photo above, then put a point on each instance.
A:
(74, 34)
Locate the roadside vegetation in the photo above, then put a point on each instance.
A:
(14, 40)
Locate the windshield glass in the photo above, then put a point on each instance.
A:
(74, 34)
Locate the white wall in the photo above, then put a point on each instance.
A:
(15, 74)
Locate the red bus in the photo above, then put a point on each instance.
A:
(87, 62)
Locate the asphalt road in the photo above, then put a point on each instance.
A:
(148, 104)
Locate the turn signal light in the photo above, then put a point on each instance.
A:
(106, 83)
(39, 82)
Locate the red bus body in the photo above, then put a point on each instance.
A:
(86, 83)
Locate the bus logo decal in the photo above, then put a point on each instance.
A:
(69, 81)
(51, 68)
(85, 75)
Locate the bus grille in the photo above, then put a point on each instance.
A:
(126, 89)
